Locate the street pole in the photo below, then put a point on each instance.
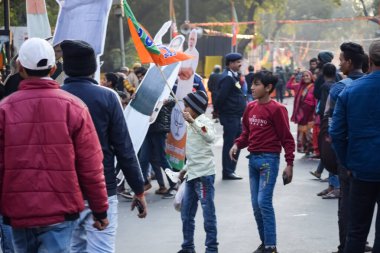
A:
(121, 29)
(119, 13)
(187, 12)
(7, 30)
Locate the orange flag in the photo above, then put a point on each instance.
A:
(146, 49)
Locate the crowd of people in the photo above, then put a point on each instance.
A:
(59, 143)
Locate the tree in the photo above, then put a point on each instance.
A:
(375, 7)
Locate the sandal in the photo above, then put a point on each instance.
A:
(324, 192)
(315, 174)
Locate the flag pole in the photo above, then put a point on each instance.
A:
(171, 91)
(167, 84)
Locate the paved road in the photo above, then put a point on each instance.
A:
(305, 222)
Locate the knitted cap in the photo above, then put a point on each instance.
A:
(78, 58)
(325, 56)
(197, 101)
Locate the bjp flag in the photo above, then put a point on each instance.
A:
(146, 49)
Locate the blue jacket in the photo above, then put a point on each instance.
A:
(230, 100)
(198, 84)
(108, 118)
(337, 88)
(355, 129)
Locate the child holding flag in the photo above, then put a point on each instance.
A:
(200, 173)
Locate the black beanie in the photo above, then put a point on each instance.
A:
(325, 56)
(78, 58)
(197, 101)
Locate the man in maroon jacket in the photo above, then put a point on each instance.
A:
(50, 157)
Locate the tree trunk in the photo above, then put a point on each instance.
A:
(375, 20)
(251, 27)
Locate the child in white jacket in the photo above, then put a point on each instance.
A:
(200, 177)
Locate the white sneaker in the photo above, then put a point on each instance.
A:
(174, 176)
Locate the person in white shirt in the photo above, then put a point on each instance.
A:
(200, 173)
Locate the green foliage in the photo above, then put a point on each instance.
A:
(376, 7)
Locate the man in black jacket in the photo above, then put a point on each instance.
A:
(249, 81)
(212, 86)
(230, 104)
(107, 115)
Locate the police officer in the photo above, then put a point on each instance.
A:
(230, 103)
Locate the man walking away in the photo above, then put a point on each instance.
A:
(212, 86)
(249, 80)
(79, 64)
(50, 157)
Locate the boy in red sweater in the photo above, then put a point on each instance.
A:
(265, 131)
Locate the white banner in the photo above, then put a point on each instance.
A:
(83, 20)
(37, 19)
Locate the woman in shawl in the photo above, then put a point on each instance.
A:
(304, 110)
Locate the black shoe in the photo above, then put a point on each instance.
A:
(170, 194)
(260, 249)
(232, 176)
(368, 248)
(186, 251)
(270, 250)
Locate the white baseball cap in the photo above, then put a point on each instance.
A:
(36, 54)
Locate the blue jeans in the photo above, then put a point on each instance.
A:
(201, 189)
(49, 239)
(263, 171)
(87, 239)
(231, 130)
(6, 237)
(334, 181)
(153, 151)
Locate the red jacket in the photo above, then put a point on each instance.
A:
(49, 155)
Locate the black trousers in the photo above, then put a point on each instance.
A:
(363, 197)
(343, 206)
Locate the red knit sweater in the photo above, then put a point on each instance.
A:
(266, 129)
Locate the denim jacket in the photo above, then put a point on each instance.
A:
(355, 129)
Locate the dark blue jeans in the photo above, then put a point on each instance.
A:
(153, 151)
(263, 171)
(202, 190)
(6, 237)
(231, 130)
(363, 197)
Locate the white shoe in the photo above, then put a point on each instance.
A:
(174, 176)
